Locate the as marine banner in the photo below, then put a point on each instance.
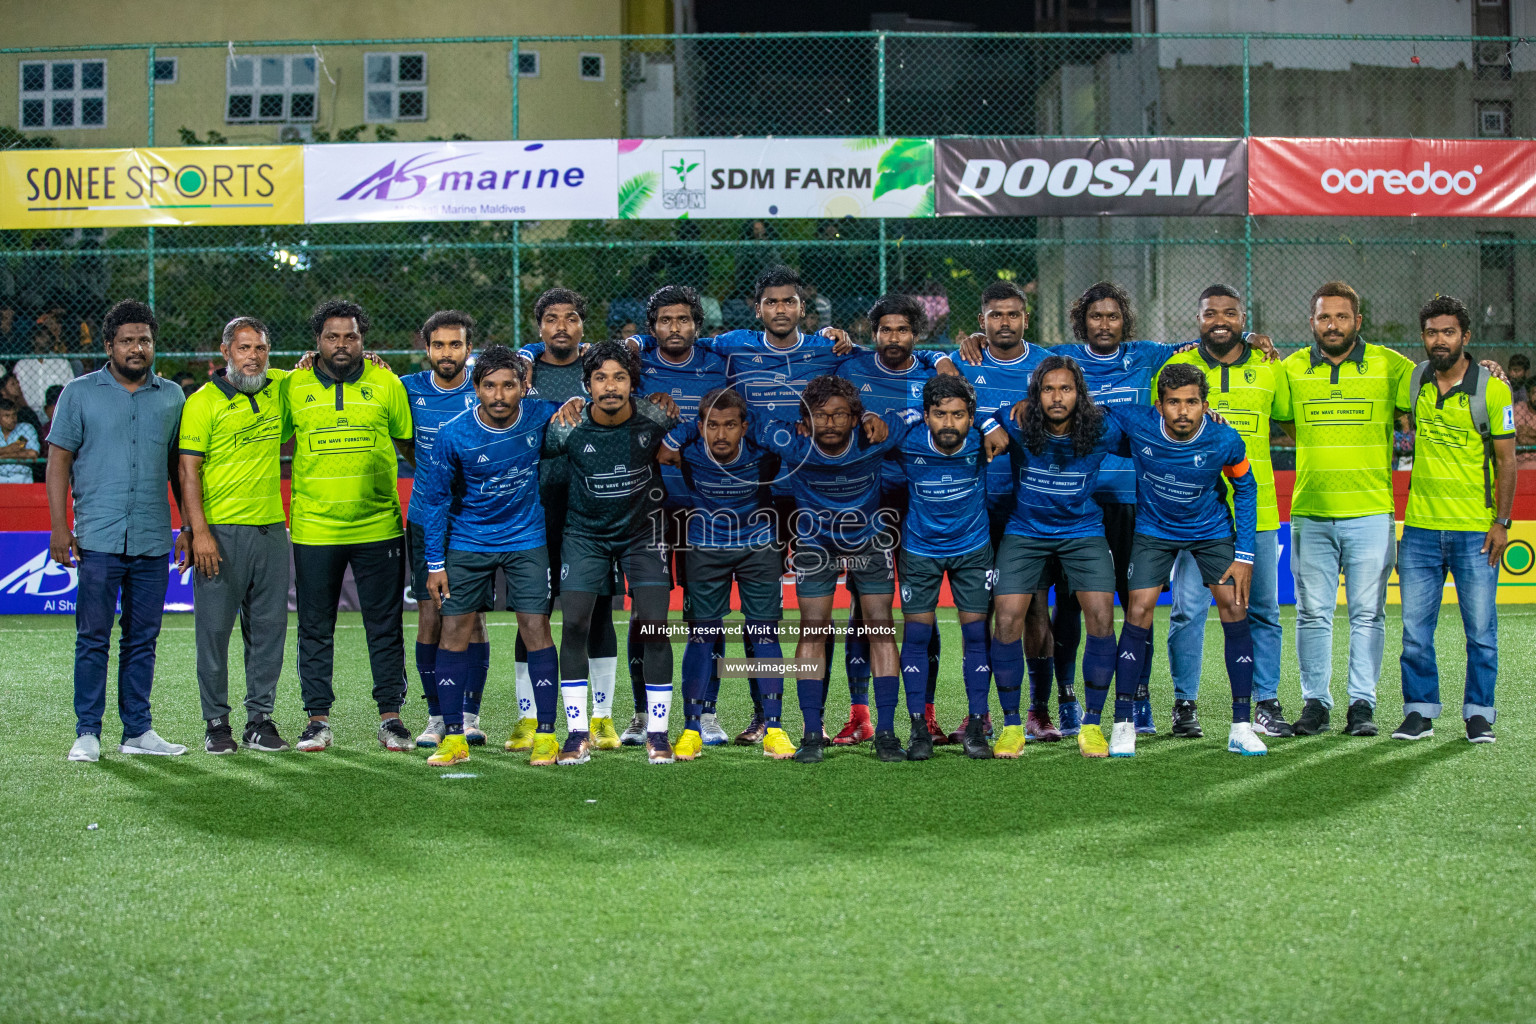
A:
(98, 188)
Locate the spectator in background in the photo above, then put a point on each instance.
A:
(1525, 429)
(1402, 443)
(13, 341)
(187, 381)
(17, 441)
(755, 256)
(1519, 375)
(819, 302)
(10, 390)
(36, 372)
(627, 329)
(812, 322)
(39, 472)
(713, 319)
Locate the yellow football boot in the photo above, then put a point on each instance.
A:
(522, 734)
(1091, 741)
(452, 749)
(1010, 742)
(778, 745)
(546, 750)
(688, 746)
(604, 736)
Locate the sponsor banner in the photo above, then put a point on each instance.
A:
(1087, 177)
(31, 583)
(1392, 177)
(102, 188)
(572, 179)
(663, 179)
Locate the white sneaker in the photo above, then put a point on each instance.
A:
(473, 734)
(1243, 740)
(150, 743)
(710, 731)
(86, 748)
(1122, 741)
(635, 734)
(432, 735)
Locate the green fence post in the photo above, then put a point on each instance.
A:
(151, 78)
(517, 285)
(517, 73)
(1247, 217)
(880, 131)
(149, 289)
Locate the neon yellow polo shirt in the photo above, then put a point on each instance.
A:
(1245, 394)
(240, 439)
(344, 469)
(1452, 487)
(1344, 417)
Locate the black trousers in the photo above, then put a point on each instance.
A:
(378, 568)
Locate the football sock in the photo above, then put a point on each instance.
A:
(712, 688)
(762, 641)
(933, 669)
(1142, 689)
(1098, 671)
(1008, 667)
(811, 692)
(887, 693)
(914, 663)
(1067, 634)
(452, 675)
(479, 669)
(658, 707)
(426, 668)
(856, 661)
(1129, 659)
(1040, 670)
(605, 672)
(829, 651)
(574, 693)
(1239, 648)
(698, 663)
(978, 676)
(522, 671)
(636, 658)
(543, 675)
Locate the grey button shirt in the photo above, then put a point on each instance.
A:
(122, 442)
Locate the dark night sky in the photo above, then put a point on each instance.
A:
(853, 15)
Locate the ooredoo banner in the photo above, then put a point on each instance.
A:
(1392, 177)
(572, 179)
(1087, 177)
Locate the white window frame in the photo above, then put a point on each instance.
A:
(258, 87)
(602, 67)
(514, 56)
(175, 70)
(48, 95)
(393, 88)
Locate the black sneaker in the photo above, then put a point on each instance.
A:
(888, 747)
(811, 745)
(1360, 721)
(975, 742)
(220, 738)
(262, 735)
(393, 735)
(1186, 723)
(1479, 730)
(920, 743)
(1269, 719)
(1313, 720)
(1414, 727)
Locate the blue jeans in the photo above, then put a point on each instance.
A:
(142, 583)
(1191, 604)
(1362, 550)
(1423, 560)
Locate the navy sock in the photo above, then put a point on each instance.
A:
(426, 668)
(452, 677)
(1129, 658)
(1067, 633)
(768, 694)
(698, 665)
(1040, 671)
(635, 656)
(1008, 667)
(887, 694)
(829, 651)
(914, 663)
(1098, 671)
(811, 692)
(978, 675)
(544, 671)
(479, 669)
(1143, 690)
(712, 689)
(1239, 648)
(856, 662)
(933, 669)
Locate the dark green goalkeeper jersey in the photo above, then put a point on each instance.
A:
(615, 485)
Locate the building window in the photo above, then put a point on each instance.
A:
(395, 86)
(527, 63)
(271, 90)
(63, 94)
(1493, 120)
(591, 67)
(165, 70)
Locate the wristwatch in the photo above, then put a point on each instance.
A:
(1506, 523)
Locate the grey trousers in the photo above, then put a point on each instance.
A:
(252, 584)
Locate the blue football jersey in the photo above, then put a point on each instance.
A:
(687, 383)
(1122, 378)
(1054, 490)
(882, 391)
(946, 493)
(480, 490)
(727, 502)
(431, 407)
(999, 383)
(1181, 486)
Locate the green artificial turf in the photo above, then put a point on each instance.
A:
(1336, 879)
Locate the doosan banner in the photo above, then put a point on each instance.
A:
(790, 177)
(1392, 177)
(1088, 177)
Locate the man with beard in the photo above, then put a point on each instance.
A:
(350, 419)
(231, 439)
(112, 444)
(1344, 394)
(1460, 501)
(438, 395)
(1244, 390)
